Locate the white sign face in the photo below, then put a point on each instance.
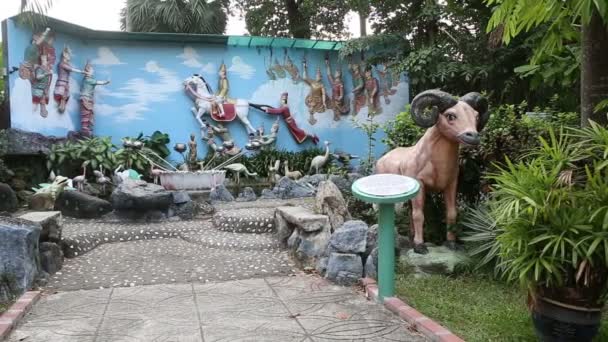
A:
(386, 185)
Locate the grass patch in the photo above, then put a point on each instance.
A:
(474, 307)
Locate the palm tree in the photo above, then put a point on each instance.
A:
(174, 16)
(31, 11)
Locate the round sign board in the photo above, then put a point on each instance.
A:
(386, 188)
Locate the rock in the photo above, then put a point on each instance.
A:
(51, 257)
(180, 197)
(29, 143)
(344, 183)
(8, 198)
(220, 194)
(81, 205)
(311, 247)
(246, 220)
(371, 265)
(42, 201)
(139, 196)
(288, 188)
(313, 180)
(268, 194)
(50, 221)
(18, 184)
(344, 269)
(350, 238)
(322, 265)
(329, 201)
(19, 255)
(204, 208)
(24, 196)
(185, 211)
(248, 195)
(303, 218)
(439, 260)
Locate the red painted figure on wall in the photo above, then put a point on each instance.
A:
(299, 134)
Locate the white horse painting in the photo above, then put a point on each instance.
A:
(202, 94)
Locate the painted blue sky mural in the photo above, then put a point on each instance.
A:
(146, 91)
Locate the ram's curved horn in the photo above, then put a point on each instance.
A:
(427, 105)
(480, 104)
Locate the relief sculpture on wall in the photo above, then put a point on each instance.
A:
(317, 98)
(358, 91)
(61, 92)
(298, 134)
(87, 100)
(339, 102)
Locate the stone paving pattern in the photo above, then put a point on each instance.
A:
(169, 252)
(300, 308)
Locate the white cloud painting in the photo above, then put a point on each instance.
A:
(106, 57)
(240, 68)
(192, 59)
(140, 94)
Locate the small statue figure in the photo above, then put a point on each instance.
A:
(299, 134)
(261, 140)
(31, 57)
(192, 152)
(87, 100)
(338, 103)
(316, 100)
(228, 147)
(292, 69)
(273, 172)
(41, 83)
(358, 88)
(373, 94)
(222, 93)
(386, 83)
(62, 86)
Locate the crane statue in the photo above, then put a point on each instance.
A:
(319, 161)
(237, 169)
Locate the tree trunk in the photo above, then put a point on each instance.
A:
(298, 25)
(362, 24)
(594, 70)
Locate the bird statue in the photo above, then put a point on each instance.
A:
(101, 179)
(273, 171)
(120, 176)
(319, 161)
(155, 173)
(237, 169)
(79, 181)
(295, 175)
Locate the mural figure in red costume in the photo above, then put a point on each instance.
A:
(339, 103)
(87, 100)
(299, 134)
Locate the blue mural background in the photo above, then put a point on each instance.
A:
(146, 91)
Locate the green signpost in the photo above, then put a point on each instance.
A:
(386, 190)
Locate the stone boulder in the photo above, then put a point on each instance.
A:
(220, 194)
(268, 194)
(370, 269)
(139, 196)
(287, 188)
(19, 255)
(29, 143)
(8, 198)
(344, 268)
(439, 260)
(182, 206)
(50, 221)
(329, 201)
(313, 180)
(344, 183)
(81, 205)
(247, 195)
(351, 237)
(51, 257)
(41, 201)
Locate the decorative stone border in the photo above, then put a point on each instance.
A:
(10, 318)
(425, 325)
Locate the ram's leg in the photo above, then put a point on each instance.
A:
(418, 222)
(451, 211)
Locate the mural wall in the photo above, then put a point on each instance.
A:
(127, 87)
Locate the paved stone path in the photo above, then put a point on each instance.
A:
(188, 281)
(282, 309)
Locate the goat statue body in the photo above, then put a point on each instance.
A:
(433, 160)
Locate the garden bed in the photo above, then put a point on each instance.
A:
(474, 307)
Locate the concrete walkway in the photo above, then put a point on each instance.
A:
(282, 309)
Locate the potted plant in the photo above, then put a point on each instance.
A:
(546, 226)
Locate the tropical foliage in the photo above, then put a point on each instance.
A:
(547, 218)
(174, 16)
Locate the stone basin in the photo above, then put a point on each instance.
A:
(188, 180)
